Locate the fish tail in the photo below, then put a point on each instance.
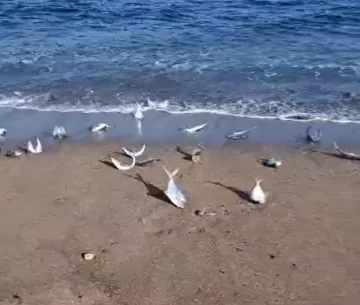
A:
(167, 172)
(173, 174)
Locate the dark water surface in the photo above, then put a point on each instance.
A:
(245, 57)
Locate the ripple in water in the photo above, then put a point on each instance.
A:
(252, 58)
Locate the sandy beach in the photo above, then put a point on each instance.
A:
(302, 247)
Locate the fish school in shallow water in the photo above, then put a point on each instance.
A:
(173, 192)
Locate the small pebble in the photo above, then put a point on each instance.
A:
(88, 256)
(211, 214)
(203, 213)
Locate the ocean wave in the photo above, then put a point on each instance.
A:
(240, 108)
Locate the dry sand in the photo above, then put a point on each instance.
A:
(302, 247)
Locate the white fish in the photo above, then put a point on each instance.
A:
(313, 134)
(198, 150)
(37, 150)
(272, 162)
(344, 154)
(122, 167)
(237, 135)
(59, 132)
(134, 153)
(14, 153)
(173, 192)
(257, 195)
(3, 132)
(138, 114)
(100, 127)
(194, 129)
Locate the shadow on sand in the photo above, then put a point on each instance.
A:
(186, 155)
(242, 194)
(153, 190)
(108, 163)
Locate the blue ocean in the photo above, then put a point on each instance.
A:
(256, 58)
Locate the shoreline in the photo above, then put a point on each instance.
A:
(159, 127)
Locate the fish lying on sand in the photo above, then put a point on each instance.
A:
(123, 167)
(173, 192)
(257, 195)
(134, 153)
(195, 153)
(14, 153)
(313, 134)
(59, 133)
(100, 127)
(346, 155)
(37, 150)
(239, 135)
(146, 161)
(195, 129)
(3, 132)
(271, 162)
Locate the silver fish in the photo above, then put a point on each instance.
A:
(313, 134)
(239, 135)
(121, 166)
(134, 153)
(100, 127)
(272, 162)
(195, 129)
(14, 153)
(146, 161)
(173, 192)
(344, 154)
(38, 148)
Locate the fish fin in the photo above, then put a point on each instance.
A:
(128, 152)
(115, 162)
(38, 148)
(119, 166)
(173, 174)
(140, 151)
(56, 131)
(167, 172)
(30, 147)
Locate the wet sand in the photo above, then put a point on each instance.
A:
(23, 125)
(302, 247)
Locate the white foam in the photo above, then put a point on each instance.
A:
(237, 109)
